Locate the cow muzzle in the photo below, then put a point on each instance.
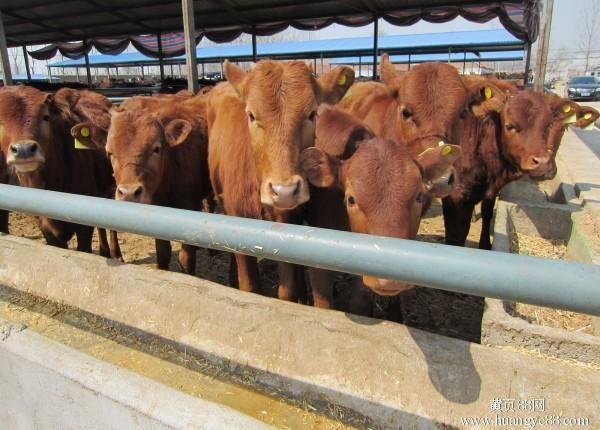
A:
(537, 166)
(285, 195)
(386, 287)
(130, 193)
(25, 156)
(443, 186)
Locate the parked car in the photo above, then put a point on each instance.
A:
(583, 87)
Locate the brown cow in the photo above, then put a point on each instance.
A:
(36, 142)
(420, 108)
(159, 152)
(521, 139)
(259, 122)
(369, 185)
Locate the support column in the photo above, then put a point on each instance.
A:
(375, 43)
(87, 64)
(409, 58)
(464, 61)
(527, 63)
(542, 54)
(359, 66)
(26, 58)
(189, 31)
(254, 51)
(161, 64)
(5, 60)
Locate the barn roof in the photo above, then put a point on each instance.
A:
(29, 22)
(455, 57)
(474, 42)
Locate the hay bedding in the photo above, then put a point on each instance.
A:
(555, 249)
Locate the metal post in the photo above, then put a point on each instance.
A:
(464, 61)
(189, 31)
(449, 54)
(222, 71)
(26, 58)
(542, 54)
(359, 66)
(527, 63)
(254, 50)
(409, 62)
(315, 66)
(203, 69)
(375, 42)
(161, 64)
(532, 280)
(87, 64)
(5, 60)
(77, 73)
(142, 67)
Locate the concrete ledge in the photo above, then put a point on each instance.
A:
(44, 384)
(398, 376)
(499, 328)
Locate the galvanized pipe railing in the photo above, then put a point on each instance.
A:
(505, 276)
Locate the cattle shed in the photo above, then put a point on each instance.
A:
(75, 26)
(488, 45)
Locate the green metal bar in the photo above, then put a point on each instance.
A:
(539, 281)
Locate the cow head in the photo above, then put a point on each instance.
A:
(281, 101)
(431, 98)
(384, 187)
(531, 129)
(137, 145)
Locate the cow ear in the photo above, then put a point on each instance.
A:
(565, 111)
(177, 130)
(587, 117)
(320, 168)
(485, 97)
(87, 136)
(334, 84)
(338, 132)
(236, 76)
(390, 76)
(435, 162)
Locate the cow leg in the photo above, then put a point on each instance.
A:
(247, 268)
(187, 258)
(301, 285)
(233, 272)
(289, 287)
(321, 282)
(115, 248)
(163, 253)
(487, 213)
(361, 301)
(84, 238)
(103, 243)
(457, 220)
(4, 222)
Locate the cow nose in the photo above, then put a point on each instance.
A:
(389, 287)
(288, 195)
(537, 163)
(130, 193)
(25, 149)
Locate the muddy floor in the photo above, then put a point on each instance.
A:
(450, 314)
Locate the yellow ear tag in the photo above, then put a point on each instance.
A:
(447, 150)
(570, 119)
(566, 108)
(487, 92)
(80, 145)
(85, 132)
(587, 116)
(342, 80)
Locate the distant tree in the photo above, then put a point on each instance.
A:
(590, 25)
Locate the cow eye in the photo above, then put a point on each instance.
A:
(156, 150)
(406, 114)
(420, 197)
(350, 200)
(313, 116)
(464, 113)
(46, 117)
(251, 117)
(512, 127)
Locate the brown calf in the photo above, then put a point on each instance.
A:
(259, 122)
(158, 149)
(369, 185)
(36, 142)
(521, 139)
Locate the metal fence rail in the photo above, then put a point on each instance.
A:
(539, 281)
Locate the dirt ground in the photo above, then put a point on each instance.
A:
(451, 314)
(555, 249)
